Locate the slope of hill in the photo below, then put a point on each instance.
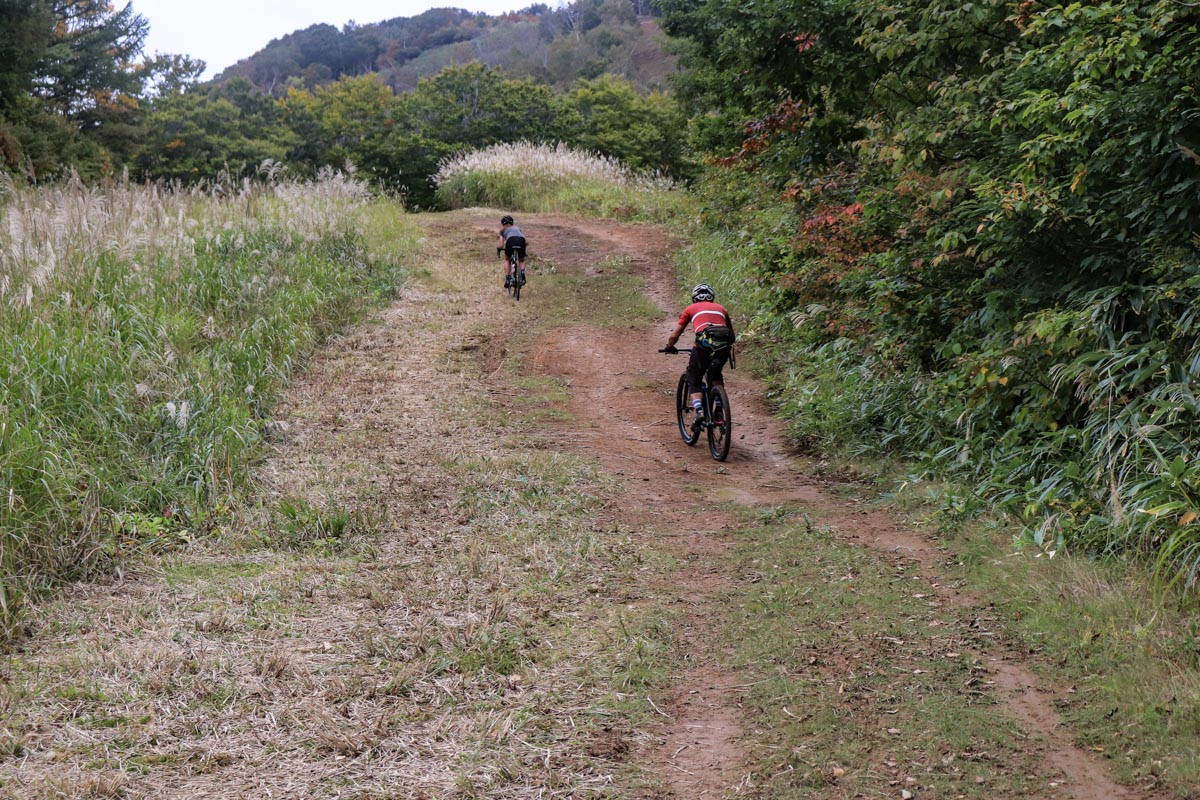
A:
(554, 46)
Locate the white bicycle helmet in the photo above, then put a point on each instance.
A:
(703, 294)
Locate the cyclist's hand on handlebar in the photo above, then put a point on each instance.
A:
(670, 349)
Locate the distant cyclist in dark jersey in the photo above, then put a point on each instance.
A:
(511, 240)
(714, 339)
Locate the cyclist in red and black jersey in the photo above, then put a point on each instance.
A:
(714, 339)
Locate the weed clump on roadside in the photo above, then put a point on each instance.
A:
(543, 178)
(144, 333)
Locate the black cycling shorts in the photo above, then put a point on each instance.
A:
(705, 361)
(515, 244)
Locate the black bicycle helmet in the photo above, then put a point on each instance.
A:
(703, 294)
(506, 220)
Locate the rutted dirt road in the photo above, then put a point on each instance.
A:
(702, 744)
(459, 642)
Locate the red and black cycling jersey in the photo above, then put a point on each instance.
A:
(703, 314)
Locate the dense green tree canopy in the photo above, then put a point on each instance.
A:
(473, 106)
(68, 79)
(788, 65)
(197, 135)
(608, 116)
(92, 55)
(75, 91)
(975, 226)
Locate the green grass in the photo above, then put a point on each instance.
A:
(193, 572)
(137, 379)
(577, 299)
(1105, 627)
(836, 636)
(544, 400)
(490, 621)
(857, 679)
(1131, 658)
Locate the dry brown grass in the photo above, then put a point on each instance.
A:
(51, 230)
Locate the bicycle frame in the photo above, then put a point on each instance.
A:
(517, 274)
(717, 420)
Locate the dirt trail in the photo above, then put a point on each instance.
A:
(701, 748)
(360, 668)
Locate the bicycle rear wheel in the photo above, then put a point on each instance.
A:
(720, 427)
(684, 413)
(514, 269)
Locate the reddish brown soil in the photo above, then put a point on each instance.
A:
(624, 379)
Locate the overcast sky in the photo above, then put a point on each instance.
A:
(221, 32)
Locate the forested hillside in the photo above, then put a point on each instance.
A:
(968, 236)
(391, 98)
(554, 46)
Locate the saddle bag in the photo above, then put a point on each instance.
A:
(715, 338)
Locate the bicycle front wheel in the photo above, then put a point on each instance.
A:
(720, 427)
(684, 413)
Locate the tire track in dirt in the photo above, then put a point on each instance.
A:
(702, 744)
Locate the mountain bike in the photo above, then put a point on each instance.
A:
(518, 276)
(717, 419)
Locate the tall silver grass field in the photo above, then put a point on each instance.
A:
(537, 177)
(144, 331)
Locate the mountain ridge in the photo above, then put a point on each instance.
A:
(552, 46)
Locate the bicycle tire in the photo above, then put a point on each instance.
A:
(684, 414)
(514, 269)
(720, 423)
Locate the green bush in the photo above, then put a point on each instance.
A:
(969, 238)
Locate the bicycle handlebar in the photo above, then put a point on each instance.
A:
(732, 359)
